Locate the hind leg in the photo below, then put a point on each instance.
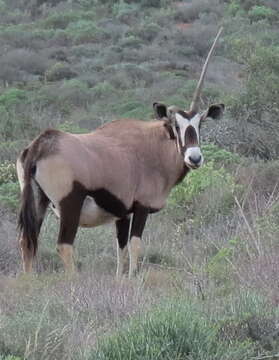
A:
(70, 208)
(66, 237)
(26, 255)
(26, 252)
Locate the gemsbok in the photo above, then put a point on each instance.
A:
(122, 171)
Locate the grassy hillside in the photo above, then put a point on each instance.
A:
(209, 285)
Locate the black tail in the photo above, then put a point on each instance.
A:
(34, 201)
(28, 221)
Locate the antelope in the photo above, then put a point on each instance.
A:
(122, 172)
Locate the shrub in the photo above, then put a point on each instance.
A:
(12, 102)
(103, 90)
(75, 93)
(12, 97)
(131, 109)
(196, 182)
(60, 20)
(85, 31)
(9, 195)
(19, 37)
(198, 36)
(255, 107)
(59, 71)
(26, 60)
(128, 75)
(2, 6)
(71, 127)
(151, 3)
(219, 156)
(131, 42)
(61, 38)
(7, 172)
(177, 330)
(147, 32)
(261, 12)
(9, 74)
(219, 267)
(126, 13)
(188, 12)
(9, 150)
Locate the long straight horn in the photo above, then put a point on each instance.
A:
(194, 103)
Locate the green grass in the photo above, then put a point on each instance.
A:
(176, 330)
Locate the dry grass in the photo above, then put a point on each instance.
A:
(55, 316)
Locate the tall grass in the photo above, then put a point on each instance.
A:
(176, 330)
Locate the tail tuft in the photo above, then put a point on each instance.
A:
(27, 219)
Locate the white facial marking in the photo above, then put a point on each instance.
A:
(183, 123)
(193, 157)
(195, 122)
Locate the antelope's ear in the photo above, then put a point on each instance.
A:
(160, 111)
(214, 111)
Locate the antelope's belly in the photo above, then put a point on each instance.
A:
(91, 214)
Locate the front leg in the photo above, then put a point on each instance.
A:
(122, 231)
(134, 246)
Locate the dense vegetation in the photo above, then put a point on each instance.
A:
(209, 286)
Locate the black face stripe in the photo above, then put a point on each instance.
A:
(183, 114)
(191, 137)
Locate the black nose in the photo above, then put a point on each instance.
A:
(195, 159)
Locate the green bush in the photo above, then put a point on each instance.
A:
(219, 156)
(219, 268)
(69, 126)
(59, 71)
(60, 20)
(198, 181)
(146, 31)
(103, 90)
(12, 97)
(9, 195)
(75, 93)
(2, 6)
(131, 42)
(255, 107)
(9, 150)
(267, 225)
(261, 12)
(177, 330)
(13, 101)
(151, 3)
(85, 31)
(7, 172)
